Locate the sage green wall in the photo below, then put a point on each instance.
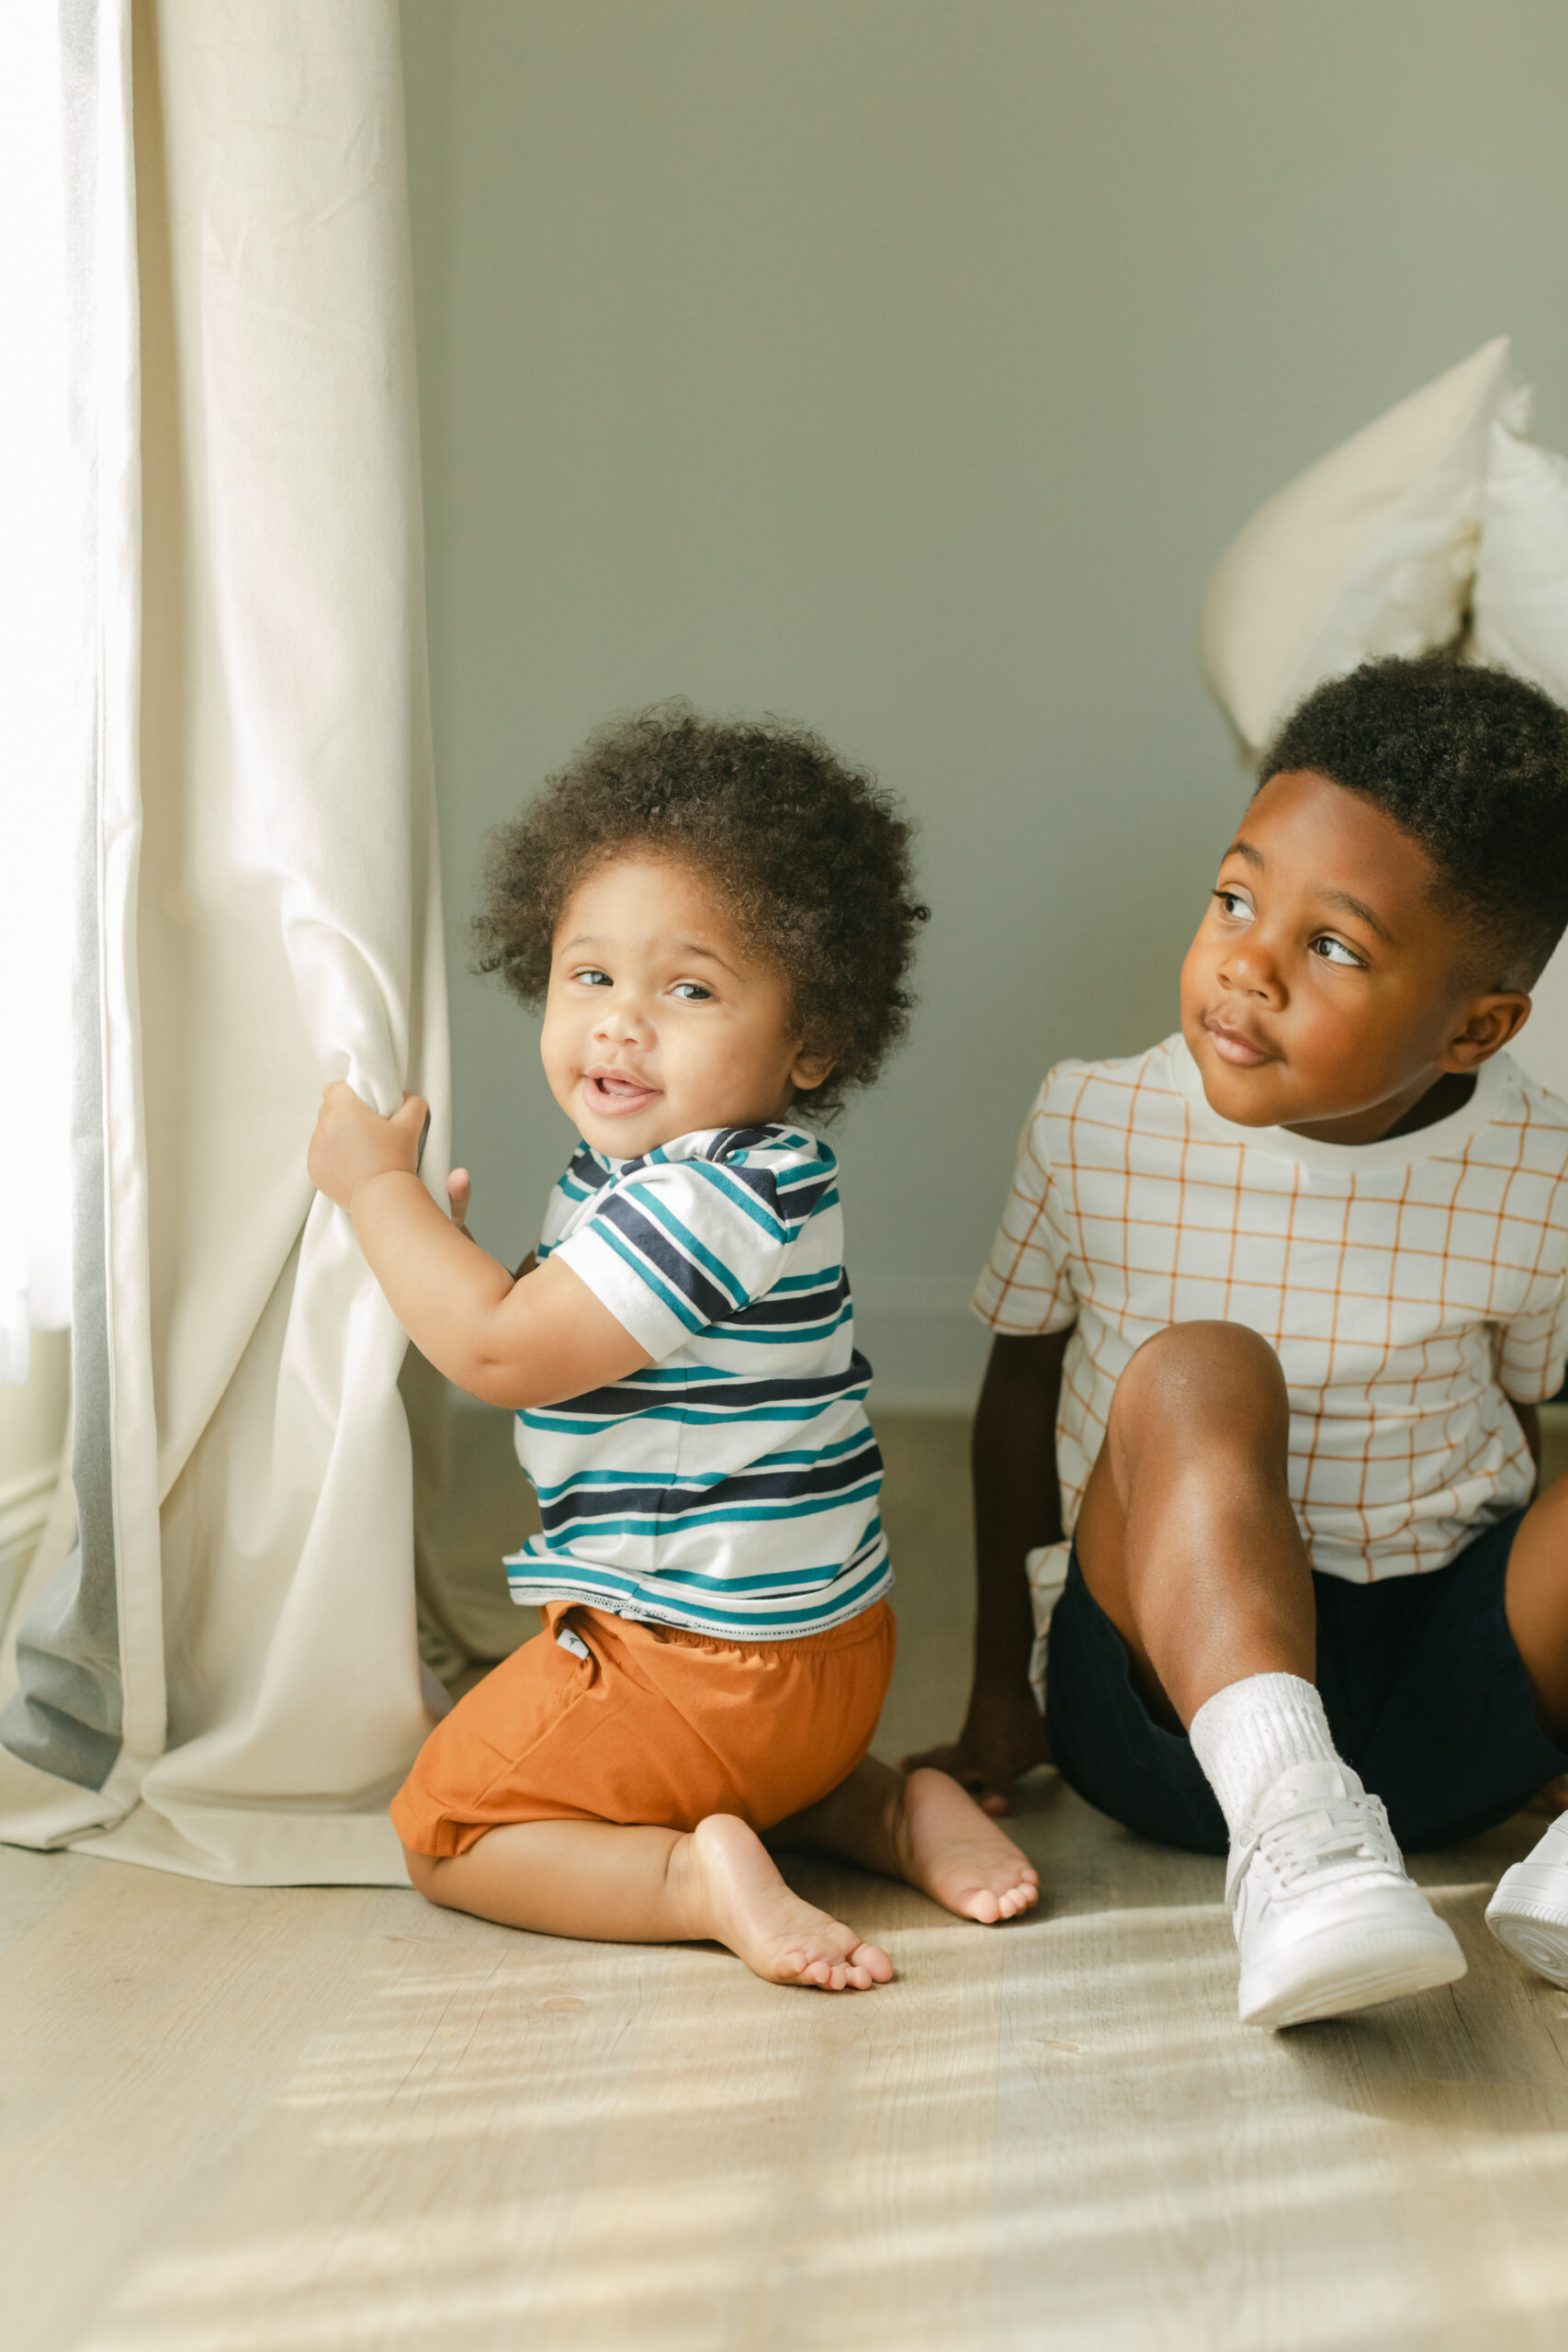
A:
(903, 365)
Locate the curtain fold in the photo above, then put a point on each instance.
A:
(221, 1676)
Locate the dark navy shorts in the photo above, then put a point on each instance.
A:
(1425, 1692)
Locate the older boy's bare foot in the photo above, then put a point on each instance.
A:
(733, 1892)
(959, 1855)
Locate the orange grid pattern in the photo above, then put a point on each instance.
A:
(1407, 1295)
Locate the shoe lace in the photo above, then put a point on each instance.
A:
(1326, 1839)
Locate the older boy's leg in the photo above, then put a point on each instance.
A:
(922, 1828)
(1188, 1542)
(1535, 1599)
(648, 1885)
(1187, 1538)
(1529, 1911)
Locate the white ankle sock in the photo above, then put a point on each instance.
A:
(1250, 1732)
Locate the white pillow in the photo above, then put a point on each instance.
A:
(1520, 598)
(1520, 608)
(1369, 551)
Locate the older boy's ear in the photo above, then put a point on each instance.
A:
(1492, 1022)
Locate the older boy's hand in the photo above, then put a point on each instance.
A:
(353, 1142)
(1003, 1737)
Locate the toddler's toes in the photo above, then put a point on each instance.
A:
(959, 1855)
(748, 1906)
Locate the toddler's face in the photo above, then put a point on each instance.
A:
(1325, 989)
(657, 1021)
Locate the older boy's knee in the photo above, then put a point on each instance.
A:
(1214, 1383)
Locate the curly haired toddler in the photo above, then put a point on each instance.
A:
(718, 920)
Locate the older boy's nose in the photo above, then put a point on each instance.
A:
(1247, 968)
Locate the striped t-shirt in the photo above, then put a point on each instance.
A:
(732, 1486)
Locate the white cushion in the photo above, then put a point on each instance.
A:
(1369, 551)
(1521, 599)
(1520, 606)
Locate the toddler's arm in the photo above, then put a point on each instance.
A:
(511, 1342)
(1018, 1505)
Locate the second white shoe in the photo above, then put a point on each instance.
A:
(1325, 1918)
(1529, 1911)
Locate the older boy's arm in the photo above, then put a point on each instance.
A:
(1017, 1506)
(1017, 1502)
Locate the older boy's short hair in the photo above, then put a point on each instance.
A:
(1472, 764)
(810, 857)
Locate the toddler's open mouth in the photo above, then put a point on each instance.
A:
(612, 1094)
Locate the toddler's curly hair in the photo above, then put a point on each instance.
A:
(809, 855)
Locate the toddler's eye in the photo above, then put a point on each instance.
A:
(1334, 951)
(692, 992)
(592, 977)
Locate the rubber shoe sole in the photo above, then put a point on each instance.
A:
(1535, 1931)
(1335, 1972)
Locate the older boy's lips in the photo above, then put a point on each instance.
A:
(1235, 1045)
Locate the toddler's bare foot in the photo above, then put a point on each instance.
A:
(734, 1893)
(961, 1856)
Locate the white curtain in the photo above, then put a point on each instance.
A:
(45, 666)
(212, 1667)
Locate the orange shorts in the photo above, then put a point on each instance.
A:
(655, 1725)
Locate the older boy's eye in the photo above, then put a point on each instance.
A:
(1334, 951)
(1232, 903)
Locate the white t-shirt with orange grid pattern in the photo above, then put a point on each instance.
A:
(1410, 1288)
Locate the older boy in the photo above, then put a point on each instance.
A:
(1286, 1289)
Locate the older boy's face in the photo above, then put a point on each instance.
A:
(1325, 991)
(658, 1021)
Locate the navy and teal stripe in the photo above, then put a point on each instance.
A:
(733, 1486)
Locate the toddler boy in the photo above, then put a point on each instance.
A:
(1274, 1303)
(718, 921)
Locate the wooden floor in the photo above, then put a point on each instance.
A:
(336, 2118)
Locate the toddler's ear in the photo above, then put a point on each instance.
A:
(811, 1071)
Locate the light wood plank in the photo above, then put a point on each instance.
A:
(256, 2120)
(31, 1885)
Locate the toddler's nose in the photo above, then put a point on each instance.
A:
(622, 1025)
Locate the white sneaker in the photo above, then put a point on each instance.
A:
(1529, 1911)
(1324, 1916)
